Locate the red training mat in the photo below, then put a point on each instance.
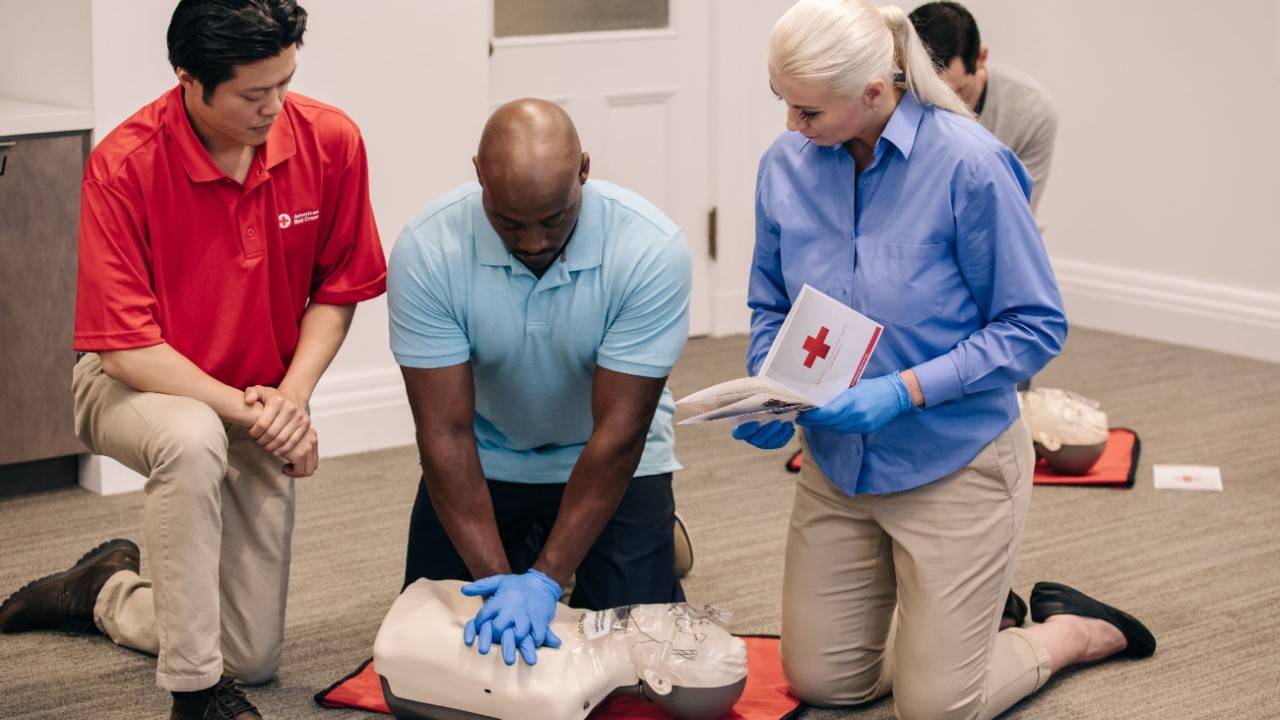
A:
(1116, 467)
(765, 698)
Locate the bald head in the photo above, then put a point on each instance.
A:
(529, 141)
(532, 168)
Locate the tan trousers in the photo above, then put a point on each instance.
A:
(219, 516)
(904, 591)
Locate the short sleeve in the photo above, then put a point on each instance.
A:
(425, 329)
(350, 266)
(116, 308)
(648, 333)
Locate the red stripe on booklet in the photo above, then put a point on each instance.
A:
(866, 355)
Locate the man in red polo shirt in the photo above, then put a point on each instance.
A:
(226, 236)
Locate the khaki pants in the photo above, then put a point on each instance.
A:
(219, 516)
(904, 591)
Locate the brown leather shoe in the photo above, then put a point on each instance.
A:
(224, 701)
(65, 600)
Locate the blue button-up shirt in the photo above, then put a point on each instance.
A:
(935, 240)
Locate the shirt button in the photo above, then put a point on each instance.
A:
(250, 232)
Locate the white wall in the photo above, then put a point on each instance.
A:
(1161, 208)
(44, 52)
(130, 61)
(1161, 204)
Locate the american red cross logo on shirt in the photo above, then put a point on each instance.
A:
(816, 346)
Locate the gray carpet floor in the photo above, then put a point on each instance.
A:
(1201, 569)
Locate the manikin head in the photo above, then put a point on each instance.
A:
(1069, 431)
(686, 660)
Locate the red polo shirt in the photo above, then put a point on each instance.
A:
(172, 250)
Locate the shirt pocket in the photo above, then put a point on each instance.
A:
(905, 281)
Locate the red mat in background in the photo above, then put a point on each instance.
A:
(1115, 468)
(765, 698)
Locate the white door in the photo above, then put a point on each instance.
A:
(640, 99)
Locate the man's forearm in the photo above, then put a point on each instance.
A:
(321, 333)
(596, 486)
(460, 496)
(161, 369)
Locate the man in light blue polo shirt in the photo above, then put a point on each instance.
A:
(535, 317)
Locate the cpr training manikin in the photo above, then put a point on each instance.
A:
(678, 656)
(1069, 430)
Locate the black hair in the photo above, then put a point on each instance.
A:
(209, 38)
(948, 31)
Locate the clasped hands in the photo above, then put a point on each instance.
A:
(517, 612)
(863, 408)
(283, 427)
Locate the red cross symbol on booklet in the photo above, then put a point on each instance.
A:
(820, 350)
(816, 347)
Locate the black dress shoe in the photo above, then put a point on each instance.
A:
(65, 600)
(224, 701)
(1015, 610)
(1049, 598)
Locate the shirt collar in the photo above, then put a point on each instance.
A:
(197, 161)
(904, 124)
(585, 248)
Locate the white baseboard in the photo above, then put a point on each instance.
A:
(352, 413)
(1171, 309)
(359, 412)
(104, 476)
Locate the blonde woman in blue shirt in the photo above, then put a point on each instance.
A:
(885, 194)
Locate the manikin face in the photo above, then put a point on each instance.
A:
(821, 115)
(242, 109)
(680, 645)
(1060, 417)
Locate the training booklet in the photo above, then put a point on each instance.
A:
(821, 350)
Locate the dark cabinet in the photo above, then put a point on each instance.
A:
(39, 221)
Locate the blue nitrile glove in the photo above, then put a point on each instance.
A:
(863, 408)
(770, 436)
(517, 609)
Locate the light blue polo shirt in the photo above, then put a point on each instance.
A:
(618, 297)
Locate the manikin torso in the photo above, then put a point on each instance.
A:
(685, 660)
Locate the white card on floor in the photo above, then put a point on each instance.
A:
(1187, 477)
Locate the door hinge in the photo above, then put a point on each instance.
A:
(711, 233)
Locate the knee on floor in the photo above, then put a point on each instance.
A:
(826, 685)
(935, 702)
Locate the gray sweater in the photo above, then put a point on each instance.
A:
(1020, 113)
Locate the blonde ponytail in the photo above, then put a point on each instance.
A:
(846, 43)
(913, 59)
